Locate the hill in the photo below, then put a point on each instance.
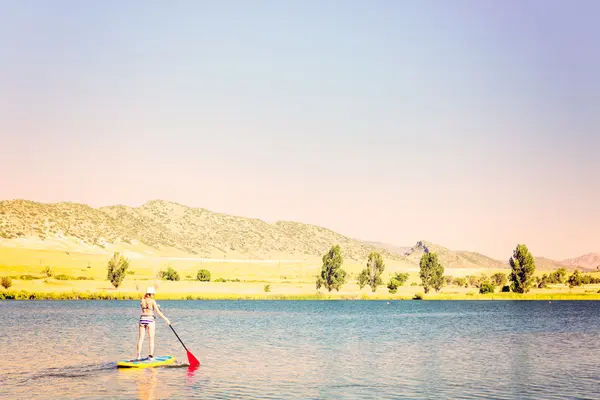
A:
(589, 261)
(168, 229)
(452, 259)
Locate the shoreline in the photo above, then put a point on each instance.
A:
(20, 295)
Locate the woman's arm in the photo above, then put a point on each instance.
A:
(161, 314)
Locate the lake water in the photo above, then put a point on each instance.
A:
(305, 349)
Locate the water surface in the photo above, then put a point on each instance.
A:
(305, 349)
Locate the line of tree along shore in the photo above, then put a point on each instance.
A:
(520, 280)
(333, 276)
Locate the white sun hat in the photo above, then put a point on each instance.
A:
(150, 290)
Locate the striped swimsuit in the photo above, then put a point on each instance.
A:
(146, 320)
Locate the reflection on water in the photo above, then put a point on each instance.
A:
(339, 349)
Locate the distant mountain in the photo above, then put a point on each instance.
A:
(389, 247)
(543, 263)
(170, 229)
(452, 259)
(588, 261)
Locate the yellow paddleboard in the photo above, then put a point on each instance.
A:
(146, 362)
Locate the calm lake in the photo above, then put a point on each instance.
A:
(305, 349)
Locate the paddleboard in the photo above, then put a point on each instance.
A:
(146, 362)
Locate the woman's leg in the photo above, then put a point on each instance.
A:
(141, 331)
(151, 328)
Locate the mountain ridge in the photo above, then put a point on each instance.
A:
(175, 229)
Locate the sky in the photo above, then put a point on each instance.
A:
(471, 124)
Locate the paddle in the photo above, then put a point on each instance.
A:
(193, 360)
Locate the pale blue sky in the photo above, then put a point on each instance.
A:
(473, 124)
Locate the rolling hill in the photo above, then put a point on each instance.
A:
(170, 229)
(589, 261)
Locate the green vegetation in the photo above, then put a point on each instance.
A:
(499, 279)
(432, 272)
(204, 275)
(6, 282)
(399, 279)
(460, 282)
(170, 274)
(332, 275)
(371, 275)
(487, 287)
(47, 271)
(558, 276)
(267, 288)
(523, 268)
(117, 266)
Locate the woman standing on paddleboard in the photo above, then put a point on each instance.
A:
(146, 322)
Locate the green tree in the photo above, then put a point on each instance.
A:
(523, 267)
(460, 282)
(203, 275)
(432, 272)
(117, 268)
(371, 275)
(543, 281)
(399, 279)
(499, 279)
(472, 280)
(575, 279)
(558, 276)
(332, 274)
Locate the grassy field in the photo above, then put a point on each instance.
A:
(85, 277)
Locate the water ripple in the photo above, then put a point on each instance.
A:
(309, 350)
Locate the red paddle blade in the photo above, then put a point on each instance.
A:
(193, 360)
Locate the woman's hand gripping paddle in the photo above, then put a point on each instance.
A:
(193, 360)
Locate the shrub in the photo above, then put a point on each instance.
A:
(47, 271)
(392, 286)
(6, 282)
(170, 274)
(267, 288)
(399, 279)
(506, 288)
(28, 277)
(204, 275)
(460, 282)
(418, 296)
(63, 277)
(487, 287)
